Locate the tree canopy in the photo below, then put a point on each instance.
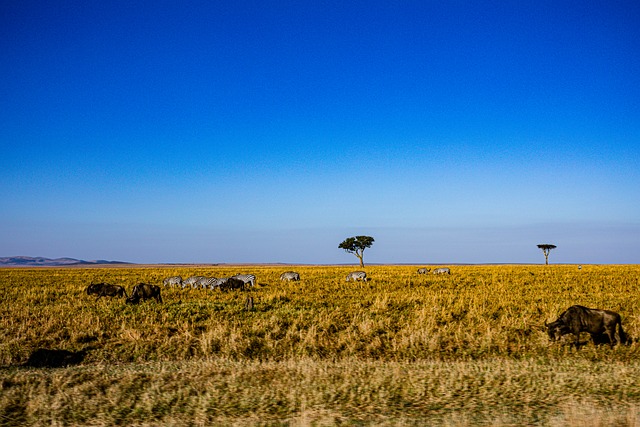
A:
(356, 245)
(546, 248)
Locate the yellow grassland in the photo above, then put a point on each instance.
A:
(401, 349)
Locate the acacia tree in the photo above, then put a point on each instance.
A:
(356, 245)
(546, 248)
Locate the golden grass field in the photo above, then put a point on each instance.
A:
(401, 349)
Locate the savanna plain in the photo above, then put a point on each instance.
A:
(468, 348)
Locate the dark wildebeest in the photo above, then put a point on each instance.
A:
(596, 322)
(94, 288)
(357, 275)
(232, 283)
(144, 291)
(248, 279)
(423, 270)
(106, 290)
(290, 275)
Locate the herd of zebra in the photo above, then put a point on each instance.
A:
(240, 281)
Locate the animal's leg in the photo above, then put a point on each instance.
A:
(611, 332)
(623, 336)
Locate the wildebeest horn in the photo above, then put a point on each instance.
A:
(546, 325)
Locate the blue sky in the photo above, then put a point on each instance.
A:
(250, 131)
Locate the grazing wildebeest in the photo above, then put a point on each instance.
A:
(144, 291)
(443, 270)
(596, 322)
(106, 290)
(94, 288)
(423, 270)
(172, 281)
(248, 279)
(357, 275)
(290, 275)
(232, 283)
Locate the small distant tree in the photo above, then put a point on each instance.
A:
(356, 245)
(546, 248)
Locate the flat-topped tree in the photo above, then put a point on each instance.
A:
(546, 248)
(357, 245)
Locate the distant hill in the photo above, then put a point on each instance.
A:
(27, 261)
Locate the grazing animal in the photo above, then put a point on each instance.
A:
(357, 275)
(423, 270)
(217, 283)
(290, 275)
(248, 279)
(106, 290)
(191, 281)
(596, 322)
(172, 281)
(144, 291)
(94, 288)
(443, 270)
(204, 282)
(232, 283)
(248, 305)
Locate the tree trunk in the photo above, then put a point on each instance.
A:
(361, 261)
(546, 257)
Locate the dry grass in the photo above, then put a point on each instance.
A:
(465, 349)
(309, 392)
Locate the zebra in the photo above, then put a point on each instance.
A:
(172, 281)
(443, 270)
(290, 275)
(191, 281)
(357, 275)
(246, 278)
(204, 282)
(216, 283)
(423, 270)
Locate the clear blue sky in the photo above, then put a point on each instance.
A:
(269, 131)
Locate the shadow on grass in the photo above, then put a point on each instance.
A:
(602, 339)
(47, 358)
